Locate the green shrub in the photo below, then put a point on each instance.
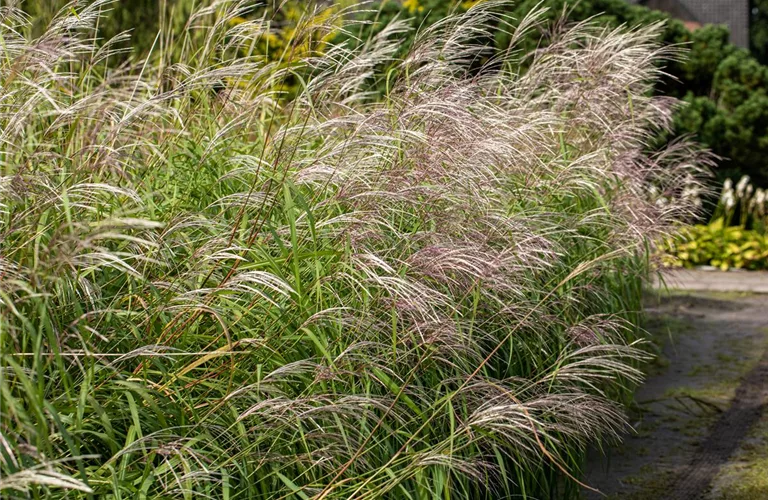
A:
(758, 30)
(141, 19)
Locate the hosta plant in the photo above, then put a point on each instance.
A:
(718, 245)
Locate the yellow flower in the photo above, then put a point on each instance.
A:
(413, 6)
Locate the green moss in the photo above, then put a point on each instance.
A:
(746, 476)
(716, 395)
(651, 484)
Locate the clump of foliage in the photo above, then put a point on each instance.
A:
(732, 117)
(208, 289)
(139, 20)
(758, 30)
(735, 238)
(145, 28)
(721, 246)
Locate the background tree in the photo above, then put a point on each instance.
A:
(758, 30)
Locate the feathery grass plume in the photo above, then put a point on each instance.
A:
(212, 286)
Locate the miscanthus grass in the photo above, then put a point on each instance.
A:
(213, 287)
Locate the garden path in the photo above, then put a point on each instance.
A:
(699, 425)
(716, 281)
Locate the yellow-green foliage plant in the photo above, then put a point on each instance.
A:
(735, 237)
(721, 246)
(209, 290)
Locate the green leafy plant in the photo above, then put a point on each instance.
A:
(734, 238)
(719, 245)
(758, 32)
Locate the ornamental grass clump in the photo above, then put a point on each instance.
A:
(210, 289)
